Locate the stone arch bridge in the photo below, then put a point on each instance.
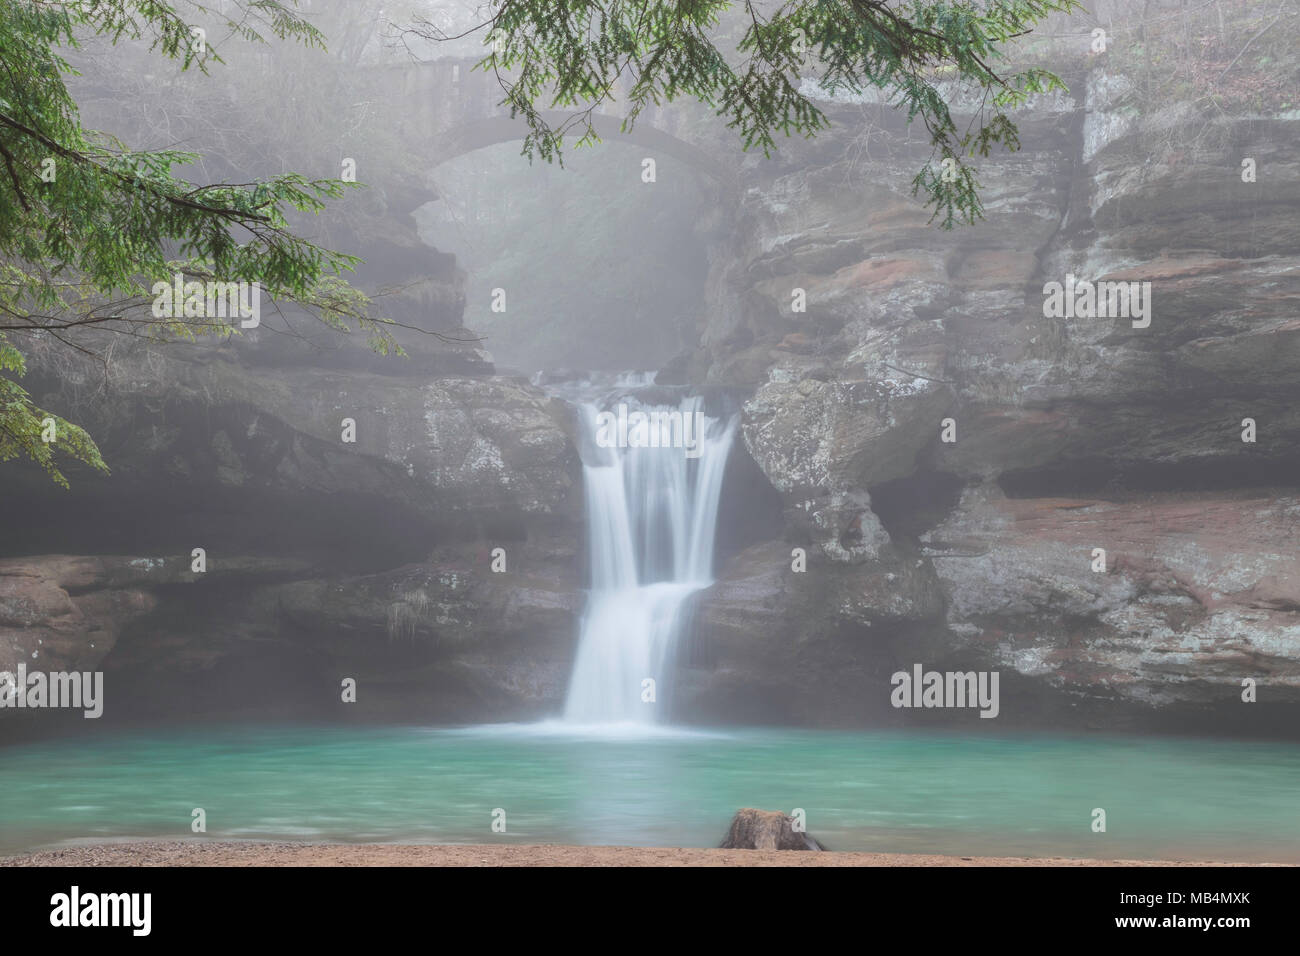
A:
(455, 109)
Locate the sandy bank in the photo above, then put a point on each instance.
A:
(335, 854)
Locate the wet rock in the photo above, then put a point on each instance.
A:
(325, 558)
(1199, 592)
(1070, 432)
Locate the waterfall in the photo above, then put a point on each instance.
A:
(651, 516)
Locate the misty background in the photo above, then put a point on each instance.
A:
(371, 559)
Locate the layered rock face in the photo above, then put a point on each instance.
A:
(931, 463)
(322, 558)
(950, 454)
(1199, 592)
(408, 523)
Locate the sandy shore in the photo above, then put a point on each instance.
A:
(336, 854)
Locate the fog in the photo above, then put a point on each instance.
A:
(685, 436)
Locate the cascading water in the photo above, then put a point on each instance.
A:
(651, 516)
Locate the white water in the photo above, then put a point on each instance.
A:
(651, 516)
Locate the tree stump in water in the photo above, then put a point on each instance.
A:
(765, 830)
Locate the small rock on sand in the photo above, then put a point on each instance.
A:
(765, 830)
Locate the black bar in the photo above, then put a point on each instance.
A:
(973, 905)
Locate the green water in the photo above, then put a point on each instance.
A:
(968, 795)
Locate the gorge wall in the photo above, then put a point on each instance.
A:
(1070, 433)
(372, 560)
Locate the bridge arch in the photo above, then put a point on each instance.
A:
(491, 130)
